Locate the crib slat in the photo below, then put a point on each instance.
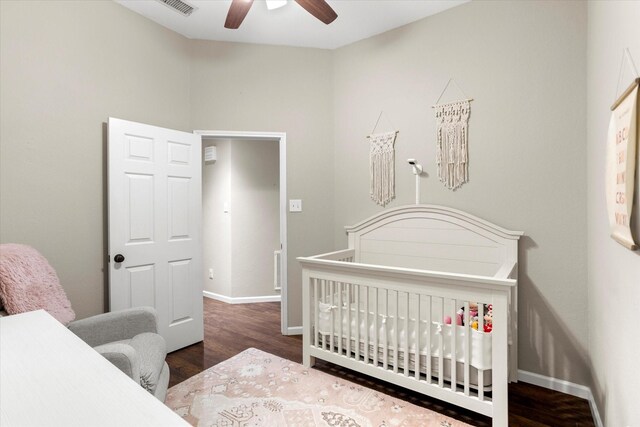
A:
(332, 316)
(481, 329)
(407, 335)
(349, 336)
(367, 325)
(323, 297)
(385, 329)
(467, 346)
(376, 332)
(454, 341)
(480, 384)
(316, 309)
(396, 324)
(340, 316)
(416, 360)
(428, 344)
(441, 348)
(357, 340)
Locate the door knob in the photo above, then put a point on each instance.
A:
(118, 258)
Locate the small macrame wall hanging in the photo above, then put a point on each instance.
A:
(452, 140)
(382, 180)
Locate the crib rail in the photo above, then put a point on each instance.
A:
(345, 255)
(390, 323)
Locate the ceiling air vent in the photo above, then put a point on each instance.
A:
(179, 6)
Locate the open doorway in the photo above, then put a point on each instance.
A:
(244, 218)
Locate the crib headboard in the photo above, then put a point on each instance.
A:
(432, 237)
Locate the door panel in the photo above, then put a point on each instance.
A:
(139, 148)
(140, 204)
(178, 208)
(155, 222)
(141, 283)
(179, 154)
(181, 289)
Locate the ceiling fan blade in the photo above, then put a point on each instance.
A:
(237, 12)
(320, 9)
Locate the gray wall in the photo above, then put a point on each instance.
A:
(524, 64)
(239, 244)
(65, 67)
(255, 217)
(277, 89)
(216, 224)
(613, 271)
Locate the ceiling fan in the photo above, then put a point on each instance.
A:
(318, 8)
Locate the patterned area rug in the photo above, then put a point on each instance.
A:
(255, 388)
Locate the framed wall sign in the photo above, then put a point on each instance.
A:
(622, 143)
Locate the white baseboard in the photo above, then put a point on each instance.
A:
(294, 330)
(594, 411)
(563, 386)
(241, 300)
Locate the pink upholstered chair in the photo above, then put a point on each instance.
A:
(127, 338)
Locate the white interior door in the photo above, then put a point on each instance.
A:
(155, 226)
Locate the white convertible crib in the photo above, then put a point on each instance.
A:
(425, 297)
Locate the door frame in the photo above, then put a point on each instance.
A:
(281, 137)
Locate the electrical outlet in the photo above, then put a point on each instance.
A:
(211, 273)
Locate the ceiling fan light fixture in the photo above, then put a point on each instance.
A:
(239, 8)
(275, 4)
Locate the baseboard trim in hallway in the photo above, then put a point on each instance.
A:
(242, 300)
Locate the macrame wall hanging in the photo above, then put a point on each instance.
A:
(452, 140)
(382, 165)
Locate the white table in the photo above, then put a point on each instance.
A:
(50, 377)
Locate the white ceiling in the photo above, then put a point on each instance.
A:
(291, 25)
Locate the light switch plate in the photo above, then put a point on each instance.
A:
(295, 205)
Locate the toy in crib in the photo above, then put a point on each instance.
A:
(473, 315)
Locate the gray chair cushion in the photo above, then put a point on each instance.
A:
(115, 325)
(163, 383)
(151, 350)
(127, 338)
(123, 356)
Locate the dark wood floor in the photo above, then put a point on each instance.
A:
(230, 329)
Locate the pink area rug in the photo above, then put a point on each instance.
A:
(255, 388)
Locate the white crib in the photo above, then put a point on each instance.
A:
(379, 307)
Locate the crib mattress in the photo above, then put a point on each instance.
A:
(390, 328)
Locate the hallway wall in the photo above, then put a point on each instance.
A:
(239, 243)
(277, 89)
